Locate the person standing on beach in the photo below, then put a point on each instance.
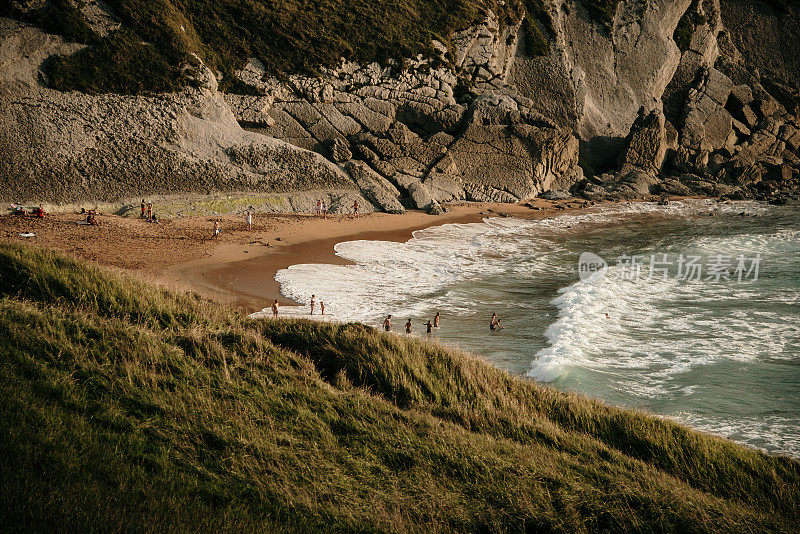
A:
(313, 302)
(408, 327)
(249, 220)
(387, 323)
(322, 307)
(319, 208)
(275, 309)
(436, 320)
(216, 229)
(324, 209)
(149, 210)
(143, 208)
(355, 208)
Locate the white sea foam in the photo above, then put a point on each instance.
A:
(777, 433)
(665, 345)
(401, 278)
(668, 327)
(408, 278)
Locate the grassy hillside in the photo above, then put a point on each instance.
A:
(126, 407)
(288, 36)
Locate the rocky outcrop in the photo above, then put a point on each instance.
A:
(594, 80)
(707, 125)
(410, 129)
(403, 140)
(646, 144)
(65, 147)
(480, 121)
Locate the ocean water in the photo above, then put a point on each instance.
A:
(718, 350)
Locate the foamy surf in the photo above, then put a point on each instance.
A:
(298, 312)
(700, 352)
(669, 326)
(409, 278)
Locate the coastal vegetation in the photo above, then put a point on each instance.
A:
(126, 406)
(296, 36)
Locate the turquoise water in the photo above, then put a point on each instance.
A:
(722, 355)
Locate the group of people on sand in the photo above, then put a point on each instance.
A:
(147, 211)
(37, 212)
(248, 219)
(275, 306)
(430, 325)
(322, 208)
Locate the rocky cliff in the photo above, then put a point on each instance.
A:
(658, 98)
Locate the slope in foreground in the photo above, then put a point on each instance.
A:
(123, 406)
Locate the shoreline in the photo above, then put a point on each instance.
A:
(248, 281)
(238, 267)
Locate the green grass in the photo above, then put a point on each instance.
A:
(60, 17)
(288, 36)
(127, 407)
(602, 11)
(536, 24)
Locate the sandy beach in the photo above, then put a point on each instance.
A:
(238, 267)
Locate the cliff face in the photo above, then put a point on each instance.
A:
(71, 147)
(406, 134)
(765, 38)
(488, 144)
(482, 119)
(597, 78)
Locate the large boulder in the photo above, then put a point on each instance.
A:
(741, 96)
(646, 144)
(420, 195)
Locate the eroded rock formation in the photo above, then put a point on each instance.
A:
(482, 121)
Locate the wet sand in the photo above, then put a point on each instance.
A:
(250, 283)
(237, 267)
